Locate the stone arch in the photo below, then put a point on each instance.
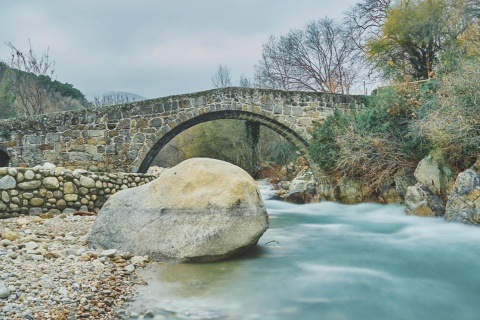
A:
(4, 158)
(289, 134)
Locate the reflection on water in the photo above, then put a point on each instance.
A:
(331, 261)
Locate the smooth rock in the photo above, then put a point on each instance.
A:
(7, 182)
(4, 291)
(22, 221)
(138, 260)
(200, 210)
(87, 182)
(108, 253)
(51, 183)
(30, 185)
(69, 188)
(29, 175)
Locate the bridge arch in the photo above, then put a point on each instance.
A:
(290, 135)
(4, 158)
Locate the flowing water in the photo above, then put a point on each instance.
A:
(331, 261)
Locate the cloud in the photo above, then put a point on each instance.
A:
(196, 52)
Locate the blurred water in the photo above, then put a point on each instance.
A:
(331, 261)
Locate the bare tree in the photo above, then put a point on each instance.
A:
(322, 57)
(111, 98)
(221, 78)
(244, 82)
(368, 17)
(25, 76)
(274, 68)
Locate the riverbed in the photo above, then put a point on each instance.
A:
(330, 261)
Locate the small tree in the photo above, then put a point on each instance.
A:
(244, 82)
(111, 98)
(7, 99)
(25, 74)
(321, 57)
(221, 78)
(452, 122)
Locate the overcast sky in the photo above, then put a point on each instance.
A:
(153, 48)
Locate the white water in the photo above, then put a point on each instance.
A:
(331, 261)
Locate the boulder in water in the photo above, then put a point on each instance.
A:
(198, 211)
(421, 201)
(464, 201)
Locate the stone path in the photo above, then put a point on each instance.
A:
(48, 272)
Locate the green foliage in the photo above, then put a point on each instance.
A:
(452, 120)
(323, 148)
(375, 143)
(417, 36)
(7, 99)
(64, 89)
(227, 140)
(282, 152)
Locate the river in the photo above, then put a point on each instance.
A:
(330, 261)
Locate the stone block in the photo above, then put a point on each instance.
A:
(7, 182)
(69, 188)
(36, 202)
(30, 185)
(71, 197)
(51, 183)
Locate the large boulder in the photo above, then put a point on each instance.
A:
(200, 210)
(464, 201)
(421, 201)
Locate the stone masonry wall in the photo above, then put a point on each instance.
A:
(118, 138)
(33, 191)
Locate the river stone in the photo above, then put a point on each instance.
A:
(4, 291)
(5, 196)
(51, 183)
(7, 182)
(29, 175)
(29, 185)
(69, 188)
(464, 201)
(87, 182)
(421, 201)
(200, 210)
(36, 202)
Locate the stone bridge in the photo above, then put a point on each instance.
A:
(127, 137)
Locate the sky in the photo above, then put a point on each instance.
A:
(153, 48)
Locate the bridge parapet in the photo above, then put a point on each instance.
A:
(119, 138)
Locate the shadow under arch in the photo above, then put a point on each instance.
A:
(4, 158)
(287, 133)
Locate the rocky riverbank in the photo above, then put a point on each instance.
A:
(48, 272)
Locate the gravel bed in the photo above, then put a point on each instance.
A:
(48, 272)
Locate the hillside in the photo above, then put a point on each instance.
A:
(23, 93)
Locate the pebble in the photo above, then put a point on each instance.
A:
(4, 292)
(49, 272)
(108, 253)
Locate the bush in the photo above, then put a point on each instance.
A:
(452, 120)
(376, 143)
(323, 148)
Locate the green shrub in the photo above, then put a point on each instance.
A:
(377, 142)
(452, 120)
(323, 148)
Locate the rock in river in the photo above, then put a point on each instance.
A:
(200, 210)
(464, 201)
